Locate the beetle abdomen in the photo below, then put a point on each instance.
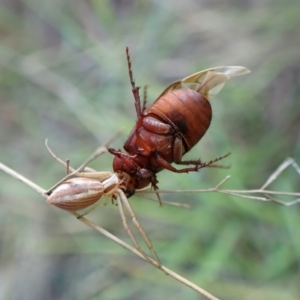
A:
(187, 111)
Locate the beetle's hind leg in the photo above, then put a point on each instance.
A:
(162, 163)
(198, 162)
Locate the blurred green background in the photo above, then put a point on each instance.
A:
(63, 76)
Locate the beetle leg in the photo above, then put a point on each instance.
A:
(189, 162)
(198, 162)
(164, 164)
(178, 151)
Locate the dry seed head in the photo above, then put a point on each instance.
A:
(76, 194)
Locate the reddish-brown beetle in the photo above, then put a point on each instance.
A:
(170, 127)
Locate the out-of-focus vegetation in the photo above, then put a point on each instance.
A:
(63, 76)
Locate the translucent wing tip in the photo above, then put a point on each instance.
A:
(215, 78)
(208, 82)
(233, 71)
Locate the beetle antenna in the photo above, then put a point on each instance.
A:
(135, 90)
(144, 98)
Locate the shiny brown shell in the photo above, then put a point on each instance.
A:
(187, 111)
